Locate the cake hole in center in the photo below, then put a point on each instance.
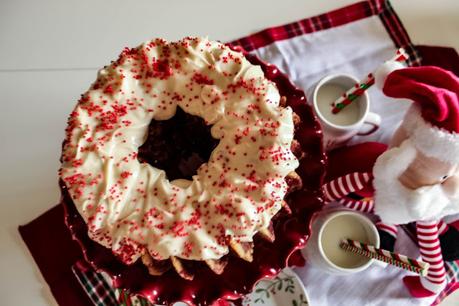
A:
(178, 145)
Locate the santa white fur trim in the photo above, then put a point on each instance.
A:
(429, 139)
(390, 165)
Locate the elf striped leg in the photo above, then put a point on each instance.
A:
(388, 228)
(429, 245)
(338, 188)
(442, 227)
(387, 235)
(449, 237)
(364, 205)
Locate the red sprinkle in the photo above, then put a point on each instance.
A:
(125, 174)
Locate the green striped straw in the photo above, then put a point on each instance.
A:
(395, 259)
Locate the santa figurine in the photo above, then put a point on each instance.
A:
(416, 178)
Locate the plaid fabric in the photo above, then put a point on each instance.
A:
(452, 277)
(98, 289)
(354, 12)
(101, 291)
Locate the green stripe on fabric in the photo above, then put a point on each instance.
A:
(455, 267)
(90, 289)
(107, 287)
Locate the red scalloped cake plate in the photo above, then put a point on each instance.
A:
(239, 277)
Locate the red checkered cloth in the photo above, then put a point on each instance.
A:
(452, 277)
(68, 283)
(342, 16)
(99, 288)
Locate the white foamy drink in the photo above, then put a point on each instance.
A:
(339, 228)
(329, 93)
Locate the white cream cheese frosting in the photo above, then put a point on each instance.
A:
(132, 207)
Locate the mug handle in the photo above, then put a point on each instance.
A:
(374, 121)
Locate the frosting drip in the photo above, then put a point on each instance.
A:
(130, 206)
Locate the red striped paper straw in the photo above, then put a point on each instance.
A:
(391, 258)
(358, 90)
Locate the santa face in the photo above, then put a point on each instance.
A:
(426, 171)
(411, 186)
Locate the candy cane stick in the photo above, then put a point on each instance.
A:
(358, 90)
(395, 259)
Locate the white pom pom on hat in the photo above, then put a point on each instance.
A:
(384, 70)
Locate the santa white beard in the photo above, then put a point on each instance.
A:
(396, 204)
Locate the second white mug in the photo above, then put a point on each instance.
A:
(355, 119)
(329, 227)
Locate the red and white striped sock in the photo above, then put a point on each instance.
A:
(429, 245)
(442, 227)
(387, 235)
(338, 188)
(449, 237)
(388, 228)
(364, 205)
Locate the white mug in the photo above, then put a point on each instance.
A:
(331, 226)
(363, 122)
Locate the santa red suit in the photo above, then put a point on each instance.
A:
(431, 127)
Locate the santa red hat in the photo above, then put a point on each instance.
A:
(432, 122)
